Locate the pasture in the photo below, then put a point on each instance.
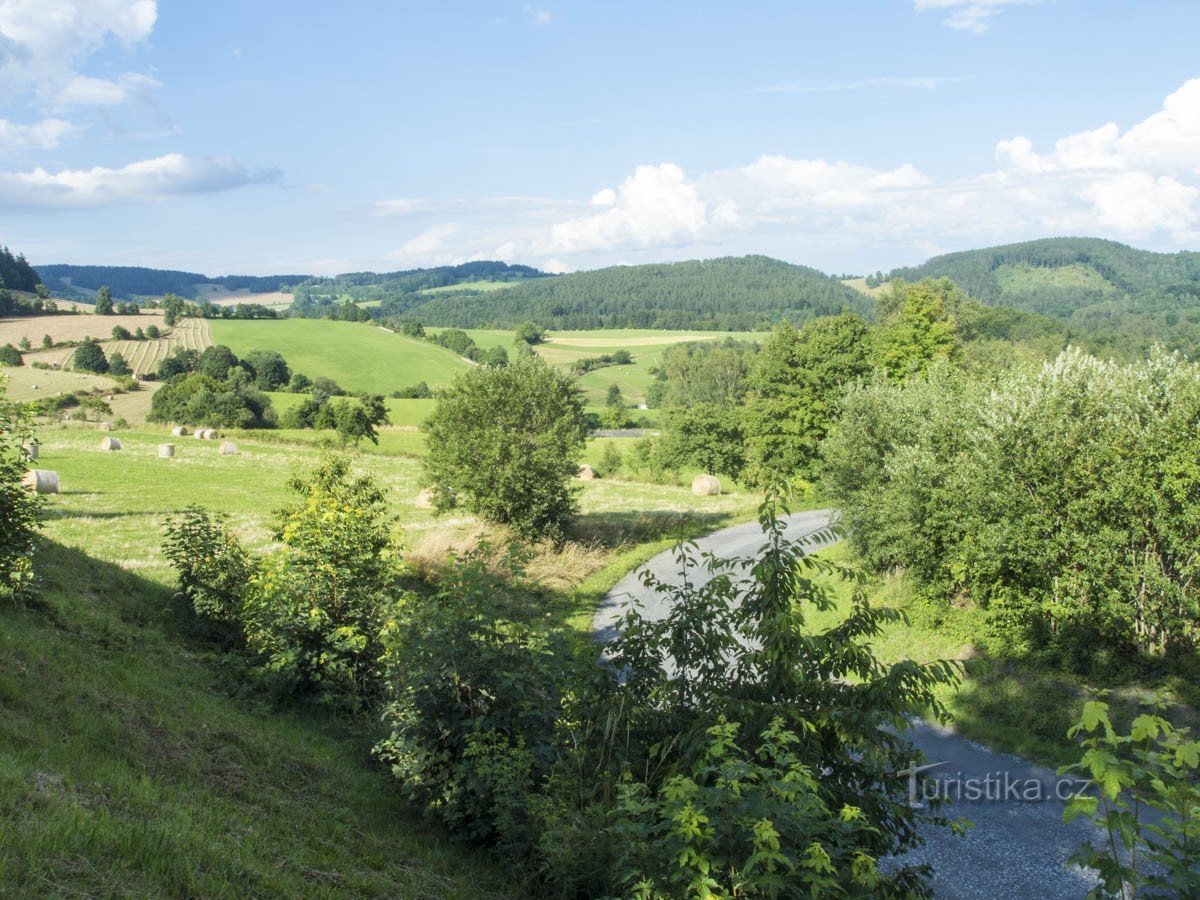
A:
(562, 348)
(359, 357)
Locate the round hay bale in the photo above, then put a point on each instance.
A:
(706, 486)
(199, 434)
(228, 448)
(586, 473)
(41, 481)
(33, 450)
(213, 434)
(110, 443)
(180, 431)
(166, 451)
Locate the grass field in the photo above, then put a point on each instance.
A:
(646, 345)
(71, 327)
(359, 357)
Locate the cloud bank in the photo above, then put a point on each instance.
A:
(1139, 184)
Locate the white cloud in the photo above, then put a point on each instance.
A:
(1140, 184)
(44, 135)
(974, 16)
(536, 16)
(82, 90)
(148, 180)
(656, 205)
(45, 40)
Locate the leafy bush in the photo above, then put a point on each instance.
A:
(741, 751)
(11, 356)
(314, 610)
(201, 400)
(1064, 499)
(212, 565)
(89, 357)
(475, 679)
(1148, 804)
(18, 505)
(507, 442)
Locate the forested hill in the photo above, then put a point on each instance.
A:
(396, 292)
(1069, 278)
(130, 282)
(15, 273)
(730, 293)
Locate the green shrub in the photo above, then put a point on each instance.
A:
(11, 356)
(212, 565)
(506, 442)
(475, 679)
(18, 505)
(89, 357)
(315, 609)
(1147, 802)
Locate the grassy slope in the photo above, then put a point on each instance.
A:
(358, 357)
(131, 760)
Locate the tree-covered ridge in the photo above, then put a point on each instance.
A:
(137, 281)
(1059, 276)
(731, 293)
(397, 292)
(16, 273)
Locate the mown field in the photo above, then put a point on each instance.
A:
(647, 347)
(359, 357)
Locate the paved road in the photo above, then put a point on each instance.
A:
(1019, 845)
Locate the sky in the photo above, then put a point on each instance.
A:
(296, 136)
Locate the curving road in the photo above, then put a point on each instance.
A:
(1018, 846)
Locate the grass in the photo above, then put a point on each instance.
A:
(129, 767)
(133, 760)
(1016, 705)
(359, 357)
(647, 346)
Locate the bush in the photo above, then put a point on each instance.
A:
(201, 400)
(18, 505)
(213, 568)
(474, 678)
(11, 356)
(1064, 499)
(89, 357)
(315, 609)
(117, 365)
(1148, 804)
(507, 442)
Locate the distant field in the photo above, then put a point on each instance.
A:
(358, 357)
(471, 286)
(145, 357)
(860, 284)
(646, 345)
(219, 295)
(71, 327)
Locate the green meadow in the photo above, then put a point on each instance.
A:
(358, 356)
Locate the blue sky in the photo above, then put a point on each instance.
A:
(279, 137)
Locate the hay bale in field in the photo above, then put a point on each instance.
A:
(166, 451)
(180, 431)
(110, 443)
(199, 434)
(706, 486)
(41, 481)
(33, 450)
(586, 473)
(228, 448)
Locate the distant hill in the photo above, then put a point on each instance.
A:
(733, 294)
(396, 292)
(1069, 278)
(133, 282)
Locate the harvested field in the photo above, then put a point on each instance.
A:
(145, 356)
(71, 327)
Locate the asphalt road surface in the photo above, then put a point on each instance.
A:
(1018, 846)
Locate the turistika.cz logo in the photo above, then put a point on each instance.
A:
(991, 787)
